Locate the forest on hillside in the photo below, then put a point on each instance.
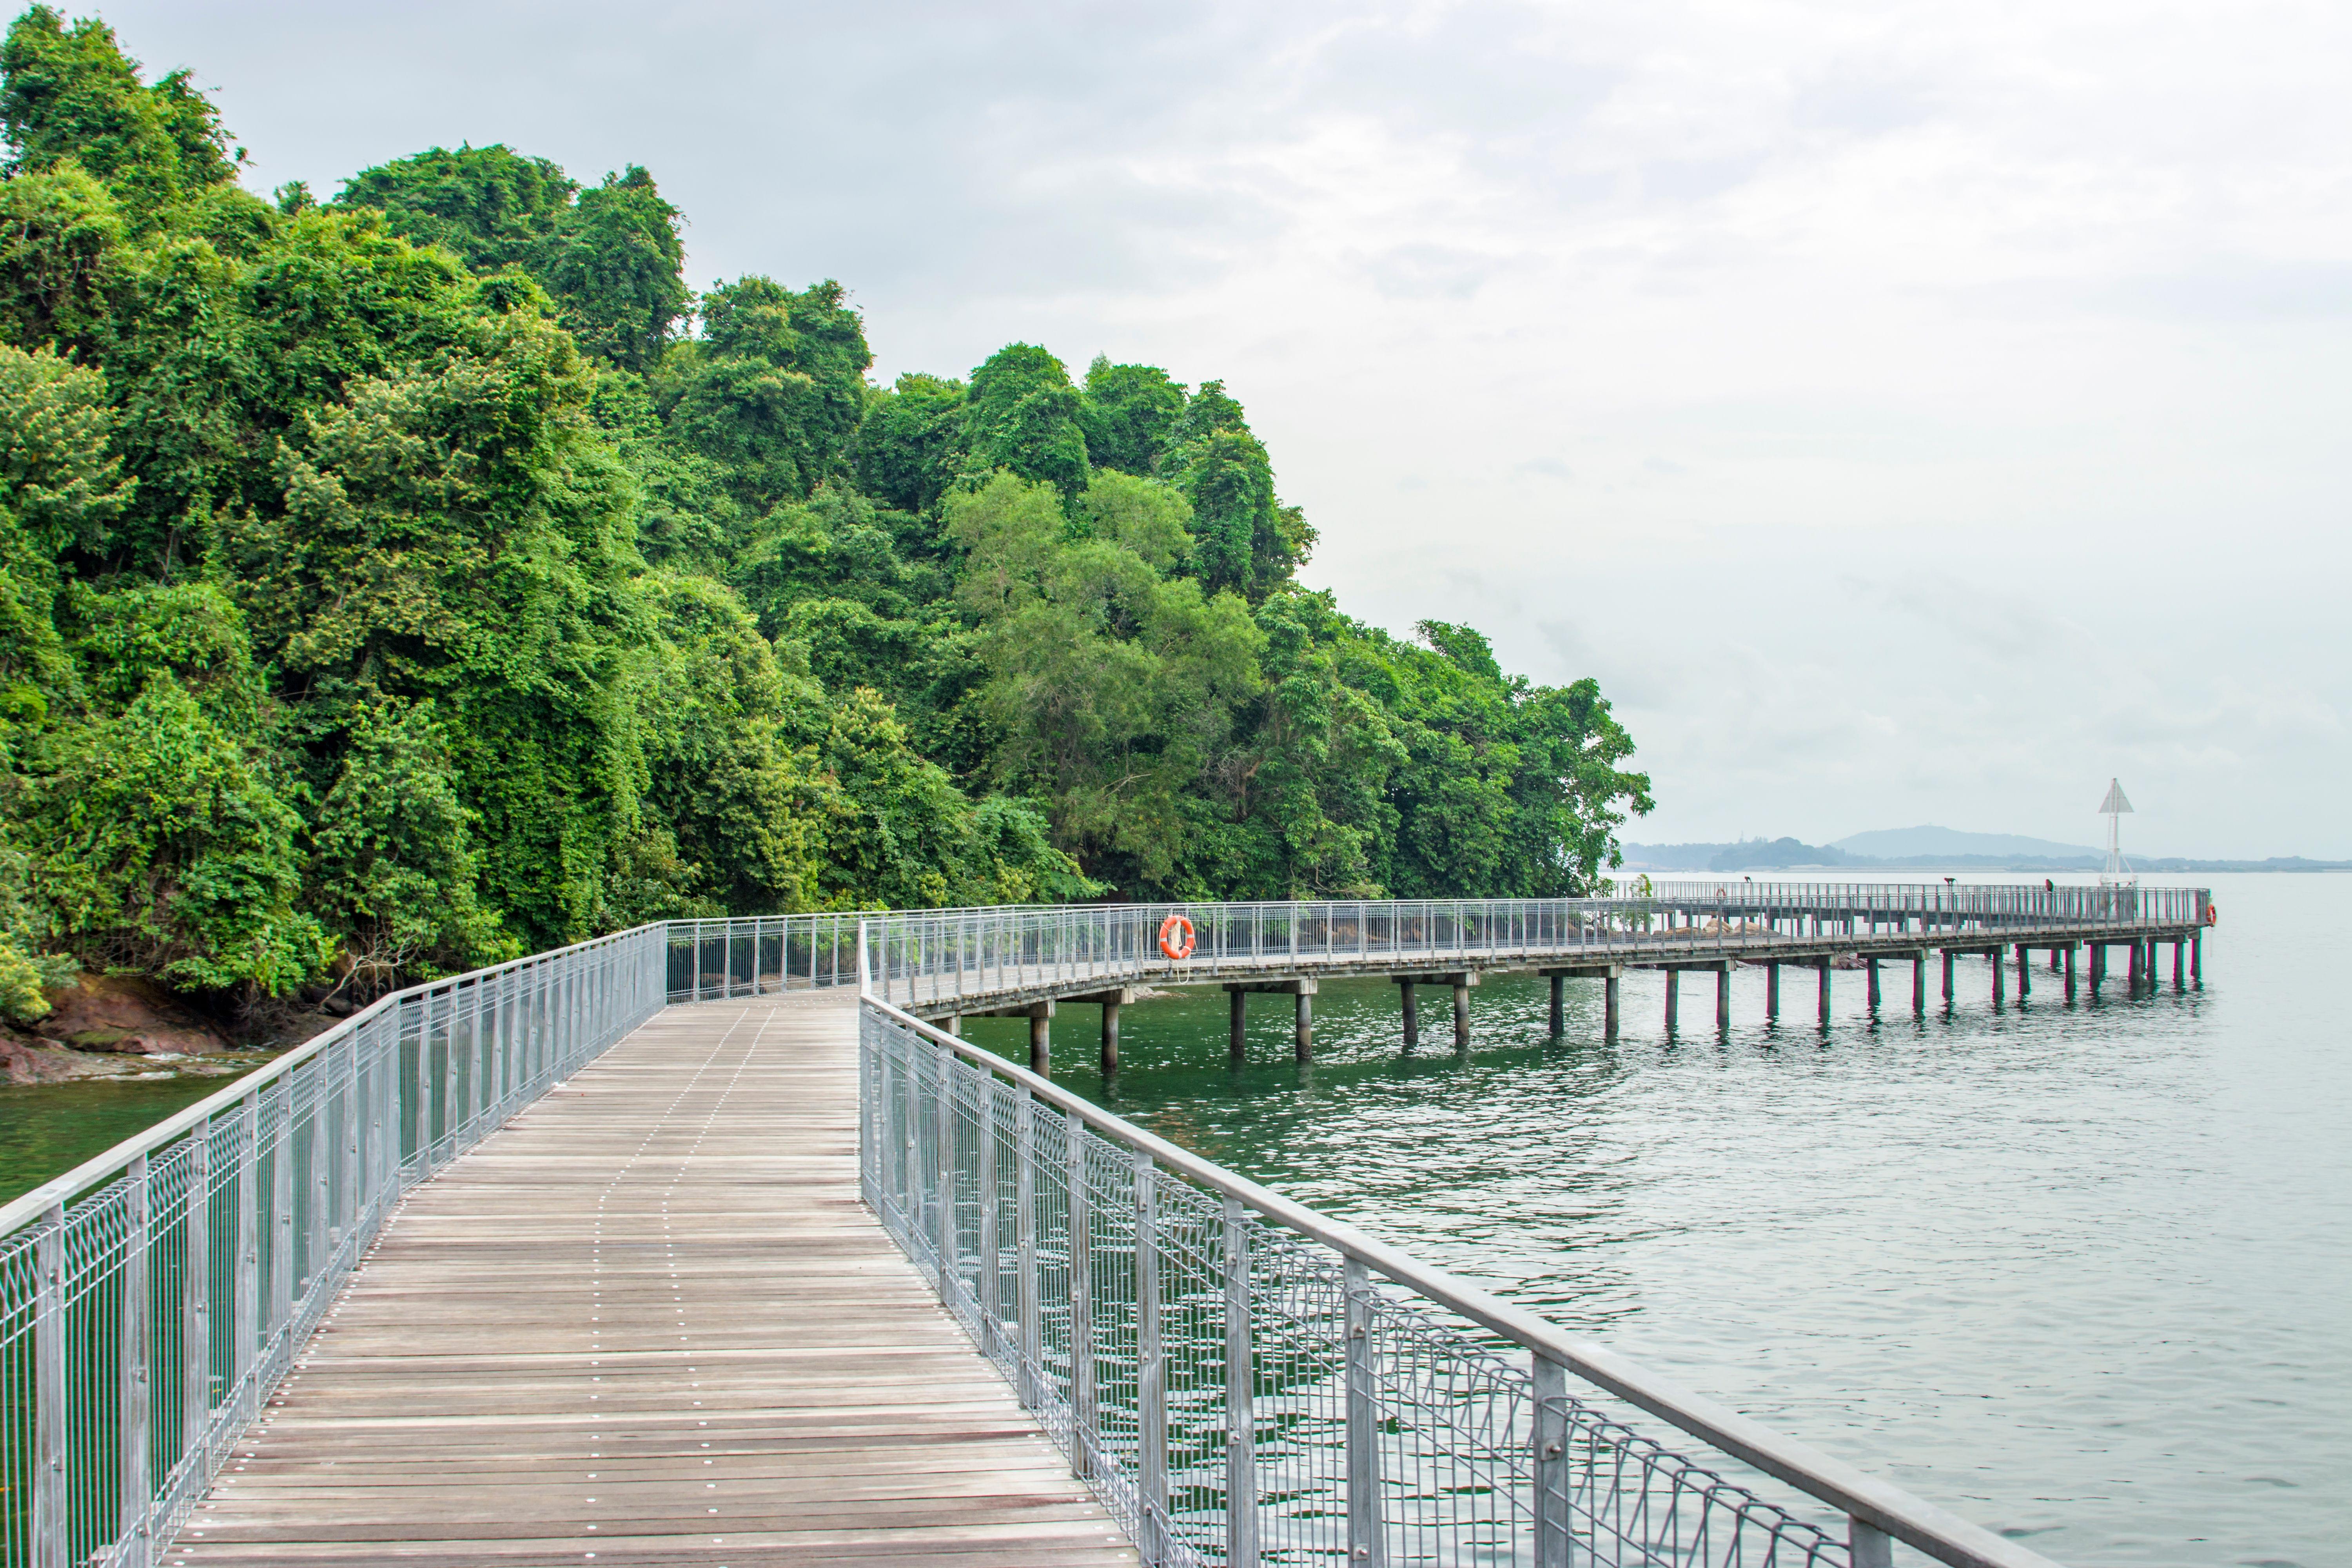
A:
(398, 579)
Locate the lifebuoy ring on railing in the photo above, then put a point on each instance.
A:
(2213, 915)
(1176, 937)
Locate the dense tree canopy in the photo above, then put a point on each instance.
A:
(394, 583)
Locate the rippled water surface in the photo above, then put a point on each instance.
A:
(47, 1128)
(2084, 1274)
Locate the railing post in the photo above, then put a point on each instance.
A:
(502, 1036)
(381, 1086)
(50, 1524)
(281, 1214)
(1366, 1541)
(354, 1107)
(1547, 1424)
(195, 1292)
(950, 1274)
(421, 1084)
(131, 1373)
(991, 1271)
(245, 1330)
(1082, 1299)
(911, 1139)
(1241, 1420)
(449, 1119)
(1024, 1241)
(314, 1230)
(1151, 1368)
(1867, 1546)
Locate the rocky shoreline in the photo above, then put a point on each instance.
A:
(125, 1027)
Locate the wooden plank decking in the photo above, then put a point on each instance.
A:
(649, 1322)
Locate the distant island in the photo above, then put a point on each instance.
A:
(1927, 849)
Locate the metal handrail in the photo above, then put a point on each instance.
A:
(1874, 1508)
(934, 958)
(152, 1297)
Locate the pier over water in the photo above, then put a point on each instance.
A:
(667, 1221)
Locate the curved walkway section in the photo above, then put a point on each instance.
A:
(650, 1322)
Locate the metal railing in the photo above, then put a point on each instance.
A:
(1986, 903)
(151, 1299)
(716, 959)
(1243, 1381)
(929, 958)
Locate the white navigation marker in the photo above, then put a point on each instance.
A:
(2118, 872)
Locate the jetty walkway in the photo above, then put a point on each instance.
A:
(649, 1322)
(708, 1242)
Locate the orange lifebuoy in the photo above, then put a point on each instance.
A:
(1176, 937)
(2213, 915)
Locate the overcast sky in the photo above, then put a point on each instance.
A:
(1909, 413)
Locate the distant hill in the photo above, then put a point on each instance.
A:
(1912, 843)
(2038, 857)
(1754, 854)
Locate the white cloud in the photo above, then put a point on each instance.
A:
(1953, 393)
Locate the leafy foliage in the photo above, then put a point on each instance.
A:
(391, 585)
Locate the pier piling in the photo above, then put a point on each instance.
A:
(1411, 1011)
(1825, 992)
(1559, 1006)
(1723, 997)
(2070, 970)
(2025, 972)
(1919, 983)
(1303, 1028)
(1872, 986)
(1041, 1039)
(1238, 1015)
(1674, 996)
(1110, 1037)
(1608, 1007)
(1772, 991)
(1462, 984)
(1948, 976)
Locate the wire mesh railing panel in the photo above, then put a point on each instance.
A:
(929, 960)
(150, 1299)
(1239, 1390)
(1631, 1503)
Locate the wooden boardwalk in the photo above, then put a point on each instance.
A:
(650, 1322)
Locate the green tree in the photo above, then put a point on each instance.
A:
(1113, 687)
(1248, 541)
(610, 257)
(912, 445)
(461, 534)
(393, 864)
(613, 262)
(490, 206)
(1131, 414)
(774, 390)
(1023, 417)
(172, 845)
(68, 93)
